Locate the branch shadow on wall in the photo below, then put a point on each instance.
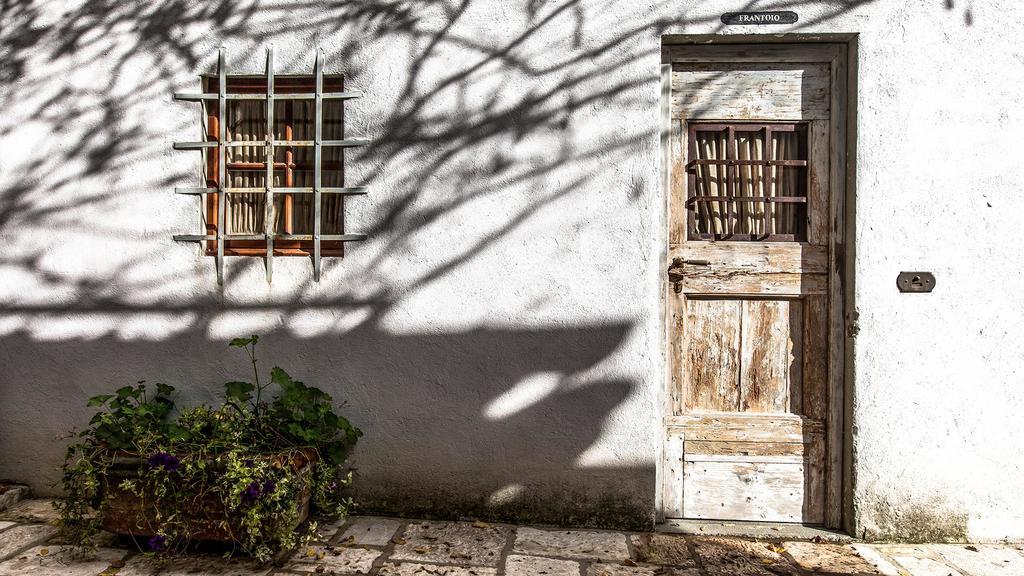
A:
(498, 420)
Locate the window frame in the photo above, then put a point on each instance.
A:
(257, 84)
(220, 146)
(732, 164)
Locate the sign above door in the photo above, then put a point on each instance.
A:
(757, 18)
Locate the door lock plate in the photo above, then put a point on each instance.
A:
(676, 271)
(915, 281)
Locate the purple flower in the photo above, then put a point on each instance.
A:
(167, 461)
(157, 544)
(251, 493)
(333, 485)
(269, 486)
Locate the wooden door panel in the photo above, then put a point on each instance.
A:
(771, 356)
(731, 258)
(768, 53)
(744, 448)
(750, 466)
(710, 281)
(750, 489)
(735, 427)
(819, 173)
(741, 355)
(815, 357)
(711, 355)
(744, 91)
(777, 269)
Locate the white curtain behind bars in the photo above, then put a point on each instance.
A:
(747, 217)
(247, 121)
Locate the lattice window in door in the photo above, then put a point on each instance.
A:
(747, 181)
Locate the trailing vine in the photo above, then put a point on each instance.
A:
(239, 469)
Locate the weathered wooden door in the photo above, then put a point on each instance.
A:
(753, 291)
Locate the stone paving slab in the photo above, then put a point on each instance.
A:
(875, 558)
(731, 557)
(336, 559)
(829, 558)
(5, 524)
(456, 543)
(517, 565)
(37, 510)
(580, 544)
(893, 550)
(18, 538)
(60, 560)
(982, 560)
(413, 569)
(666, 549)
(598, 569)
(917, 560)
(370, 530)
(926, 566)
(12, 494)
(327, 530)
(199, 565)
(622, 570)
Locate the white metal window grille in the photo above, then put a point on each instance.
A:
(220, 143)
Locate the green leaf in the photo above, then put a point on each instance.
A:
(351, 432)
(280, 377)
(164, 389)
(99, 400)
(163, 404)
(175, 432)
(332, 420)
(125, 391)
(238, 390)
(243, 342)
(335, 453)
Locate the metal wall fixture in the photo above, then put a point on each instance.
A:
(221, 144)
(915, 282)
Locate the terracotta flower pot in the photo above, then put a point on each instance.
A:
(123, 512)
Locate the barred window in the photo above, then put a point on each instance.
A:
(747, 181)
(274, 156)
(293, 167)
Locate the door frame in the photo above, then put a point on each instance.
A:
(839, 512)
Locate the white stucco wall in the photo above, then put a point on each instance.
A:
(498, 336)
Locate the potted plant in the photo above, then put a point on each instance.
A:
(244, 472)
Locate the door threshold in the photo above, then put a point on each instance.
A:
(756, 530)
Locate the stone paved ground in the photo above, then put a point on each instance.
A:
(375, 546)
